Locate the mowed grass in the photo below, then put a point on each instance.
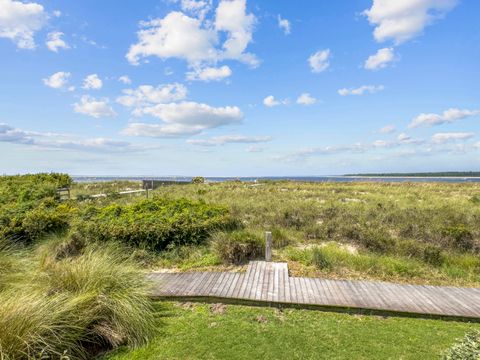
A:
(213, 331)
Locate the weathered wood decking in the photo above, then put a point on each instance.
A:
(270, 283)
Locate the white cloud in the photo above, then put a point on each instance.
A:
(440, 138)
(388, 129)
(62, 141)
(284, 24)
(55, 42)
(146, 95)
(319, 61)
(184, 118)
(57, 80)
(175, 36)
(306, 99)
(380, 60)
(402, 20)
(210, 73)
(270, 101)
(197, 40)
(448, 116)
(19, 21)
(228, 139)
(372, 89)
(92, 81)
(93, 107)
(231, 16)
(254, 149)
(125, 79)
(197, 8)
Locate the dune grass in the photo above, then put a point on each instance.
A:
(200, 331)
(74, 306)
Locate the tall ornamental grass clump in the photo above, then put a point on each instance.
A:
(76, 307)
(155, 224)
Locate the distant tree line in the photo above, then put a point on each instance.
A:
(424, 174)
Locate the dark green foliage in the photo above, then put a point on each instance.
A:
(280, 239)
(433, 255)
(320, 259)
(29, 206)
(467, 348)
(155, 224)
(460, 236)
(198, 180)
(238, 247)
(376, 239)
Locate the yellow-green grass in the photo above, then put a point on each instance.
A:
(202, 331)
(407, 232)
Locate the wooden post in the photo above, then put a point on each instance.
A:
(268, 246)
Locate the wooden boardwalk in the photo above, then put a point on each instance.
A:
(269, 283)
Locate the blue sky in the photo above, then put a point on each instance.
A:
(239, 87)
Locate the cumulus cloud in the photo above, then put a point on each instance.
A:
(92, 81)
(196, 40)
(306, 99)
(231, 16)
(19, 21)
(228, 139)
(125, 79)
(440, 138)
(55, 42)
(270, 101)
(146, 95)
(387, 129)
(448, 116)
(93, 107)
(284, 24)
(197, 8)
(371, 89)
(402, 20)
(319, 61)
(182, 119)
(381, 59)
(210, 73)
(58, 80)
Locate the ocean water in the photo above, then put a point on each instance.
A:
(291, 178)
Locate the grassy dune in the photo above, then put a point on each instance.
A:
(407, 232)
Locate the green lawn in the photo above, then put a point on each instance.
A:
(203, 331)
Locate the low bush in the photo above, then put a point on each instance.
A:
(321, 259)
(376, 239)
(238, 246)
(467, 348)
(155, 224)
(460, 237)
(76, 307)
(29, 206)
(280, 238)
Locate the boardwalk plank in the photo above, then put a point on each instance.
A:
(270, 282)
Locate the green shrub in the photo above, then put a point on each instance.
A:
(460, 236)
(76, 307)
(467, 348)
(433, 255)
(280, 239)
(28, 206)
(320, 259)
(238, 247)
(155, 224)
(198, 180)
(376, 239)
